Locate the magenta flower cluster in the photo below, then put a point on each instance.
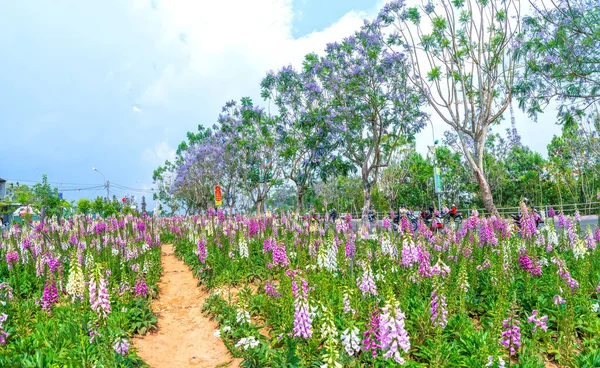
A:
(50, 296)
(3, 334)
(439, 314)
(538, 321)
(302, 319)
(271, 291)
(511, 336)
(141, 288)
(202, 252)
(371, 337)
(528, 265)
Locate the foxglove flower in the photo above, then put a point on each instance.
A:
(243, 247)
(393, 335)
(559, 300)
(50, 296)
(327, 256)
(99, 299)
(242, 317)
(350, 247)
(75, 282)
(538, 321)
(202, 252)
(3, 334)
(351, 340)
(280, 255)
(246, 343)
(141, 289)
(121, 346)
(511, 336)
(347, 308)
(387, 248)
(366, 283)
(12, 257)
(372, 341)
(438, 310)
(271, 291)
(302, 319)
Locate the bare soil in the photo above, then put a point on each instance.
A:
(185, 336)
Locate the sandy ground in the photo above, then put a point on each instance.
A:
(184, 337)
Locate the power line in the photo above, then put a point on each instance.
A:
(141, 190)
(80, 189)
(50, 182)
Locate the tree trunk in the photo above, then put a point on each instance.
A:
(259, 206)
(366, 205)
(486, 192)
(300, 191)
(477, 166)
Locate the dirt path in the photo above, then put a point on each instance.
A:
(184, 337)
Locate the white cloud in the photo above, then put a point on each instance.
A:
(158, 154)
(229, 45)
(136, 109)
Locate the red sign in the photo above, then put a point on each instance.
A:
(124, 199)
(218, 198)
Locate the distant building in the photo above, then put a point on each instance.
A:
(2, 188)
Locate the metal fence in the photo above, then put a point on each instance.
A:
(591, 208)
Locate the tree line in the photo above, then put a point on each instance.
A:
(346, 120)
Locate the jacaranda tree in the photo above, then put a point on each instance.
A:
(303, 134)
(461, 58)
(373, 107)
(197, 173)
(249, 133)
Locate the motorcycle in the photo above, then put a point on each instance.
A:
(433, 222)
(517, 221)
(372, 217)
(457, 218)
(333, 215)
(412, 218)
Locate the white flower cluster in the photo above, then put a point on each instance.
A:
(243, 247)
(242, 317)
(552, 237)
(387, 248)
(328, 328)
(75, 282)
(579, 249)
(246, 343)
(351, 340)
(225, 329)
(89, 261)
(327, 256)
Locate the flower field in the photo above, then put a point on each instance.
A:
(73, 293)
(292, 292)
(287, 291)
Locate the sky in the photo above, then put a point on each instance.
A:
(116, 84)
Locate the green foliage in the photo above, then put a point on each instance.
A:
(84, 206)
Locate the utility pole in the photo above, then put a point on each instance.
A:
(106, 184)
